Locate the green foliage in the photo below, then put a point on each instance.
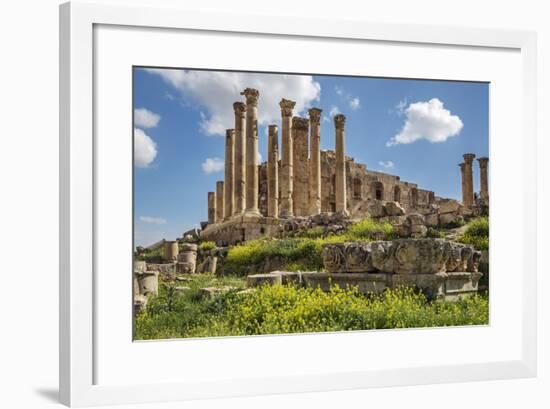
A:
(455, 223)
(151, 256)
(477, 233)
(303, 252)
(288, 309)
(434, 233)
(207, 245)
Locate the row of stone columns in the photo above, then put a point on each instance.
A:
(467, 175)
(300, 178)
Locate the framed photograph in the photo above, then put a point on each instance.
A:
(256, 204)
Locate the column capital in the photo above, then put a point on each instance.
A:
(273, 129)
(315, 115)
(286, 107)
(251, 96)
(229, 133)
(339, 121)
(240, 109)
(462, 166)
(469, 158)
(300, 123)
(483, 162)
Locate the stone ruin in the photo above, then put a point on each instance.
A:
(439, 268)
(301, 181)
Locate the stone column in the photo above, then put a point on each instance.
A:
(300, 193)
(272, 172)
(287, 174)
(211, 207)
(229, 172)
(171, 251)
(468, 179)
(483, 179)
(340, 188)
(239, 181)
(252, 182)
(315, 161)
(462, 179)
(220, 208)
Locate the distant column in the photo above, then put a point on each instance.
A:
(229, 172)
(340, 188)
(252, 182)
(462, 180)
(315, 161)
(272, 172)
(287, 174)
(220, 208)
(300, 193)
(211, 207)
(239, 182)
(171, 251)
(469, 179)
(483, 179)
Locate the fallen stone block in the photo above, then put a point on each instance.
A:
(394, 209)
(289, 277)
(257, 280)
(364, 282)
(212, 292)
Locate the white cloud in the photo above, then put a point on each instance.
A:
(427, 120)
(152, 220)
(217, 91)
(339, 90)
(212, 165)
(260, 159)
(400, 107)
(334, 110)
(387, 164)
(145, 118)
(354, 103)
(145, 149)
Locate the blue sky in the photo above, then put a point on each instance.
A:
(416, 129)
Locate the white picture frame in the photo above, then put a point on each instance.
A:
(78, 156)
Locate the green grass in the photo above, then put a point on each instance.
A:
(287, 309)
(207, 245)
(477, 233)
(301, 253)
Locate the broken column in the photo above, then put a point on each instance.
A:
(219, 201)
(251, 96)
(239, 184)
(187, 259)
(229, 172)
(272, 172)
(211, 207)
(286, 208)
(340, 182)
(171, 251)
(315, 161)
(300, 193)
(483, 179)
(468, 180)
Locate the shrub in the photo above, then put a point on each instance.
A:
(151, 256)
(477, 233)
(207, 245)
(368, 229)
(288, 309)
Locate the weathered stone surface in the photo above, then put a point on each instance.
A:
(432, 219)
(194, 233)
(365, 282)
(460, 284)
(377, 209)
(140, 266)
(140, 303)
(212, 292)
(167, 270)
(448, 206)
(447, 218)
(187, 259)
(208, 266)
(256, 280)
(414, 219)
(432, 285)
(289, 277)
(403, 256)
(394, 209)
(148, 282)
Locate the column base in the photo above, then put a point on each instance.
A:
(285, 214)
(252, 212)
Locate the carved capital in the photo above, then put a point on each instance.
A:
(286, 107)
(300, 123)
(240, 109)
(251, 96)
(483, 162)
(315, 115)
(339, 121)
(229, 133)
(462, 167)
(273, 129)
(469, 158)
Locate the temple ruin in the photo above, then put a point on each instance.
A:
(303, 181)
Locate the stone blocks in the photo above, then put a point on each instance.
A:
(257, 280)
